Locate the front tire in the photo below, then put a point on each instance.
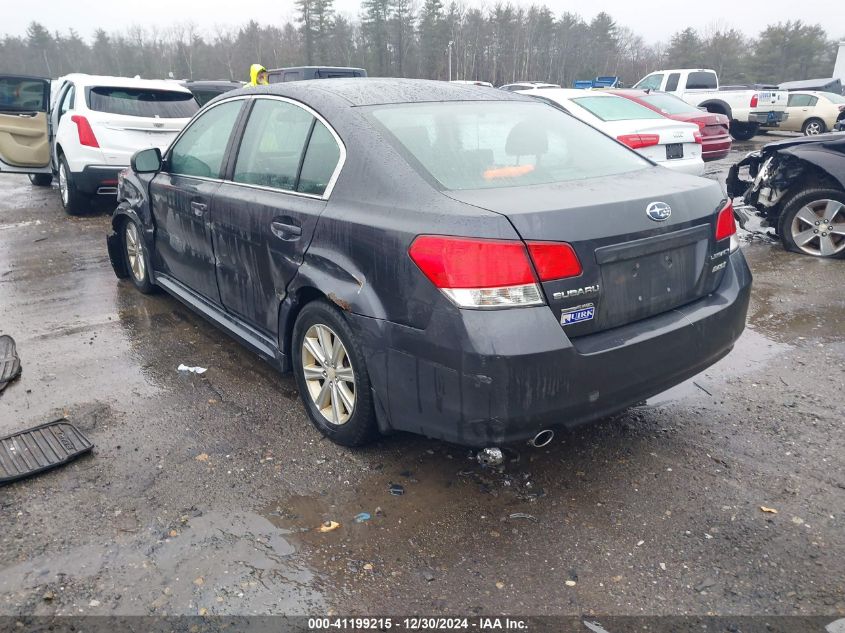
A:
(73, 201)
(331, 374)
(813, 223)
(813, 127)
(41, 180)
(743, 131)
(136, 258)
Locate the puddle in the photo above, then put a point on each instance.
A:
(237, 563)
(751, 351)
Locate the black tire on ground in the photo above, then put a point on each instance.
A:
(813, 127)
(136, 256)
(812, 198)
(73, 201)
(41, 180)
(743, 131)
(360, 427)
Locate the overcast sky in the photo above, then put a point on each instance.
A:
(654, 20)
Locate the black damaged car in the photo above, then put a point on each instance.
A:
(798, 187)
(462, 263)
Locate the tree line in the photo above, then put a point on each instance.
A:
(500, 44)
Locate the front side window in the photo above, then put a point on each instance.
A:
(494, 144)
(200, 150)
(164, 104)
(608, 108)
(272, 145)
(652, 82)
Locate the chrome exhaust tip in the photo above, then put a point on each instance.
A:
(543, 438)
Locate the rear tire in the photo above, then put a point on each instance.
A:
(136, 258)
(331, 374)
(73, 201)
(813, 127)
(813, 223)
(41, 180)
(743, 131)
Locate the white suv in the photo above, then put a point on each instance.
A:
(95, 125)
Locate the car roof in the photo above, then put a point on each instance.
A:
(366, 91)
(124, 82)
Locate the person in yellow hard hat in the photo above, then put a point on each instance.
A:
(257, 76)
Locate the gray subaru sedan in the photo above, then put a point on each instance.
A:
(454, 261)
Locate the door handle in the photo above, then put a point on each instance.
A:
(285, 230)
(199, 208)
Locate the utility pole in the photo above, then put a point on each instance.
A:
(450, 59)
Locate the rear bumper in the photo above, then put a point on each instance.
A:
(98, 179)
(772, 117)
(482, 378)
(715, 148)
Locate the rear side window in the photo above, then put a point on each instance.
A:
(701, 81)
(610, 108)
(142, 102)
(494, 144)
(200, 150)
(320, 161)
(272, 145)
(24, 95)
(293, 75)
(672, 82)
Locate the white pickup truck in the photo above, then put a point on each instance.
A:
(747, 109)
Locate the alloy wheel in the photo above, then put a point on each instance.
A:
(813, 128)
(328, 374)
(63, 187)
(135, 252)
(819, 228)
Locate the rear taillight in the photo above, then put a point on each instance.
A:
(726, 226)
(697, 137)
(754, 100)
(83, 128)
(477, 273)
(638, 141)
(481, 273)
(554, 260)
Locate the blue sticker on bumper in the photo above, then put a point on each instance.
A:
(578, 314)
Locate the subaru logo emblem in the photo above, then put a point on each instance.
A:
(658, 211)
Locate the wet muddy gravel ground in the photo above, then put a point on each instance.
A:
(204, 492)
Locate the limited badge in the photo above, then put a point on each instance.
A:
(578, 314)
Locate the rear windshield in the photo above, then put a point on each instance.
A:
(669, 104)
(834, 98)
(164, 104)
(609, 108)
(494, 144)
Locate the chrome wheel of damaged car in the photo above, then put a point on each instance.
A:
(135, 252)
(329, 374)
(818, 228)
(135, 257)
(63, 190)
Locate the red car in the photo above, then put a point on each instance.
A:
(716, 139)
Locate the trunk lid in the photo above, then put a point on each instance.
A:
(121, 136)
(633, 267)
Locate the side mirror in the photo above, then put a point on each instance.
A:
(146, 161)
